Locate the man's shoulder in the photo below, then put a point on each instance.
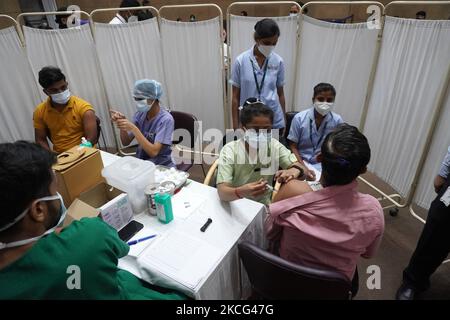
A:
(41, 107)
(79, 103)
(372, 205)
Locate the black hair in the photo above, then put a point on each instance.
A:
(323, 87)
(266, 28)
(421, 13)
(253, 108)
(345, 154)
(130, 4)
(25, 175)
(50, 75)
(59, 17)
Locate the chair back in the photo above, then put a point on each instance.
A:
(185, 121)
(289, 117)
(274, 278)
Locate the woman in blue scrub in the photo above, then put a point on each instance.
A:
(259, 72)
(152, 125)
(310, 127)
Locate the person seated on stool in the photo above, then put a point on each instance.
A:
(248, 165)
(310, 127)
(328, 225)
(63, 118)
(434, 242)
(38, 260)
(152, 124)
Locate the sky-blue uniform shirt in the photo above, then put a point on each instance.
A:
(243, 76)
(304, 132)
(445, 167)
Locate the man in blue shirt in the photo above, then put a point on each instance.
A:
(434, 242)
(310, 127)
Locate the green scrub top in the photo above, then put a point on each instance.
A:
(237, 168)
(45, 272)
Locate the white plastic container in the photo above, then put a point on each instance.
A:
(131, 175)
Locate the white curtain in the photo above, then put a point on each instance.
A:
(241, 39)
(19, 93)
(73, 51)
(340, 54)
(438, 149)
(129, 52)
(414, 59)
(193, 69)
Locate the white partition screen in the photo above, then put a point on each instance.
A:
(73, 51)
(241, 33)
(129, 52)
(19, 94)
(441, 141)
(193, 69)
(413, 63)
(340, 54)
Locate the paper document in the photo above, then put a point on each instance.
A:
(180, 257)
(185, 203)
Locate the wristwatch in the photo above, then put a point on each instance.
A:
(302, 172)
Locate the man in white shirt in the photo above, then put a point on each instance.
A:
(124, 16)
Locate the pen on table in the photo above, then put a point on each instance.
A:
(141, 239)
(206, 225)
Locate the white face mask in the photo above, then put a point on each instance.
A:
(266, 50)
(292, 14)
(323, 108)
(142, 106)
(62, 213)
(257, 140)
(62, 97)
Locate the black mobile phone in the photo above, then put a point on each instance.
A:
(127, 232)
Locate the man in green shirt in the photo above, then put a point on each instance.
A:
(39, 261)
(247, 166)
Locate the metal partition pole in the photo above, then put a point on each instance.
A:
(16, 26)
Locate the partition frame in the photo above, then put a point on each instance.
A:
(119, 146)
(431, 130)
(16, 26)
(224, 104)
(20, 19)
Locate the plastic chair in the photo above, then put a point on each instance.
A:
(211, 173)
(274, 278)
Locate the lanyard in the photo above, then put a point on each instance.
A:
(320, 137)
(258, 86)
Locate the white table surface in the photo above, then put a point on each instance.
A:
(232, 221)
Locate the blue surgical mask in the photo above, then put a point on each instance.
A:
(142, 106)
(62, 216)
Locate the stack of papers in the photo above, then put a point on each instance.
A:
(185, 202)
(180, 257)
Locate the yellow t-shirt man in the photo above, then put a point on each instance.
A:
(65, 129)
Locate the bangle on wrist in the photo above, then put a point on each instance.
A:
(302, 172)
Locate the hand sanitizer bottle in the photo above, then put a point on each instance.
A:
(163, 203)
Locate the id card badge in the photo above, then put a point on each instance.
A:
(446, 197)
